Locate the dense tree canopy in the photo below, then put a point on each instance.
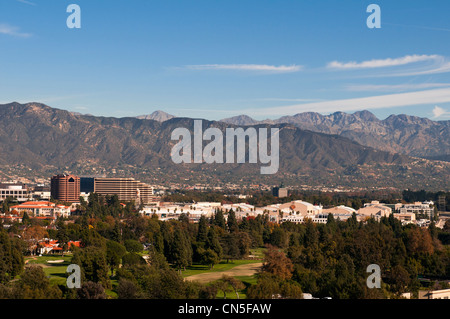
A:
(326, 260)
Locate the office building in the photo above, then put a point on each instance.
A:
(19, 192)
(280, 192)
(65, 188)
(87, 184)
(127, 189)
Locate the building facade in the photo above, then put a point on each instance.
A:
(280, 192)
(19, 192)
(65, 188)
(42, 209)
(127, 189)
(418, 208)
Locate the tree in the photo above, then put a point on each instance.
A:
(208, 257)
(399, 279)
(232, 222)
(277, 264)
(279, 238)
(91, 290)
(311, 237)
(213, 243)
(133, 246)
(92, 261)
(230, 247)
(181, 250)
(267, 287)
(202, 234)
(224, 286)
(131, 259)
(34, 284)
(33, 234)
(235, 284)
(11, 257)
(114, 254)
(25, 218)
(290, 290)
(127, 289)
(219, 219)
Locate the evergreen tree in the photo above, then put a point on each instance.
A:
(202, 234)
(213, 243)
(181, 250)
(232, 222)
(219, 219)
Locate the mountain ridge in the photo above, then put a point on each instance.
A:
(39, 140)
(405, 134)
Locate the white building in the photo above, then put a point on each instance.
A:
(17, 191)
(425, 208)
(375, 209)
(340, 212)
(42, 209)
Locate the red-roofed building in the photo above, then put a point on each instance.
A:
(42, 209)
(74, 243)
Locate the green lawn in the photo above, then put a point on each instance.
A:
(222, 266)
(55, 272)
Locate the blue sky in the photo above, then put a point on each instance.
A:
(214, 59)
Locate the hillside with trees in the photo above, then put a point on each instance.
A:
(125, 255)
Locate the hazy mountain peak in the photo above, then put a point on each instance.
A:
(158, 115)
(240, 120)
(366, 115)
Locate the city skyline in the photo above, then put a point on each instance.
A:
(222, 59)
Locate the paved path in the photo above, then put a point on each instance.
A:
(242, 270)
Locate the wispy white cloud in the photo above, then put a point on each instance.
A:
(12, 31)
(381, 63)
(443, 66)
(439, 112)
(436, 96)
(247, 67)
(27, 2)
(289, 100)
(396, 87)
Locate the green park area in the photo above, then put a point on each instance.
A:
(244, 270)
(54, 267)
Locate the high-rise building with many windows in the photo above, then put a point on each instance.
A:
(65, 188)
(127, 189)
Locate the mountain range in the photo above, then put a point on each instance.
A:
(404, 134)
(38, 141)
(158, 115)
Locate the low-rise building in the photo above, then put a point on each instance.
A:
(42, 209)
(434, 294)
(406, 218)
(299, 206)
(375, 209)
(418, 208)
(19, 192)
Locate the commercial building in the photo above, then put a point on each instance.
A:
(406, 218)
(418, 208)
(434, 294)
(65, 188)
(87, 184)
(19, 192)
(375, 209)
(280, 192)
(42, 209)
(127, 189)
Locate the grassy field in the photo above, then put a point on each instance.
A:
(55, 272)
(220, 267)
(228, 268)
